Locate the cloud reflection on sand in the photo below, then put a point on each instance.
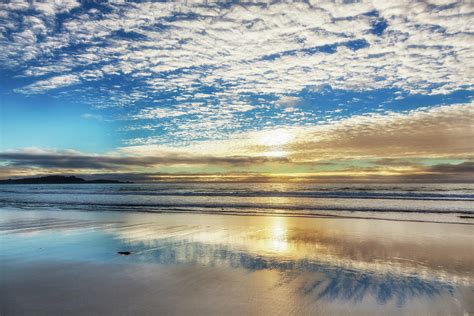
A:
(319, 280)
(319, 262)
(386, 248)
(351, 261)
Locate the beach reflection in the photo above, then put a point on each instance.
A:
(443, 251)
(322, 259)
(316, 279)
(332, 260)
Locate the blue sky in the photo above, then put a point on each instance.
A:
(126, 79)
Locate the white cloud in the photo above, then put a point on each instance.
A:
(158, 113)
(288, 101)
(230, 41)
(51, 83)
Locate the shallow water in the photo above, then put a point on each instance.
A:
(188, 263)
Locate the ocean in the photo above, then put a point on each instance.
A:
(420, 202)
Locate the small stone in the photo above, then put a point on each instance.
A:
(124, 253)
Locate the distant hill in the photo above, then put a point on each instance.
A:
(56, 180)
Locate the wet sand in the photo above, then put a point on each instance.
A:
(66, 262)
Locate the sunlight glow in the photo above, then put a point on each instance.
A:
(278, 153)
(275, 138)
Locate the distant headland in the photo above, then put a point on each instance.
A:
(57, 180)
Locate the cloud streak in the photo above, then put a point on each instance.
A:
(435, 132)
(443, 131)
(82, 161)
(426, 143)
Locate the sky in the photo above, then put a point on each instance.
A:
(238, 91)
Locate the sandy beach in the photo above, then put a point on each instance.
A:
(67, 262)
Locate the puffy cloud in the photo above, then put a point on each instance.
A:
(278, 48)
(288, 101)
(157, 113)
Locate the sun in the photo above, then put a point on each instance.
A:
(275, 138)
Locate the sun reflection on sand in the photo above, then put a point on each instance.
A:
(345, 244)
(278, 235)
